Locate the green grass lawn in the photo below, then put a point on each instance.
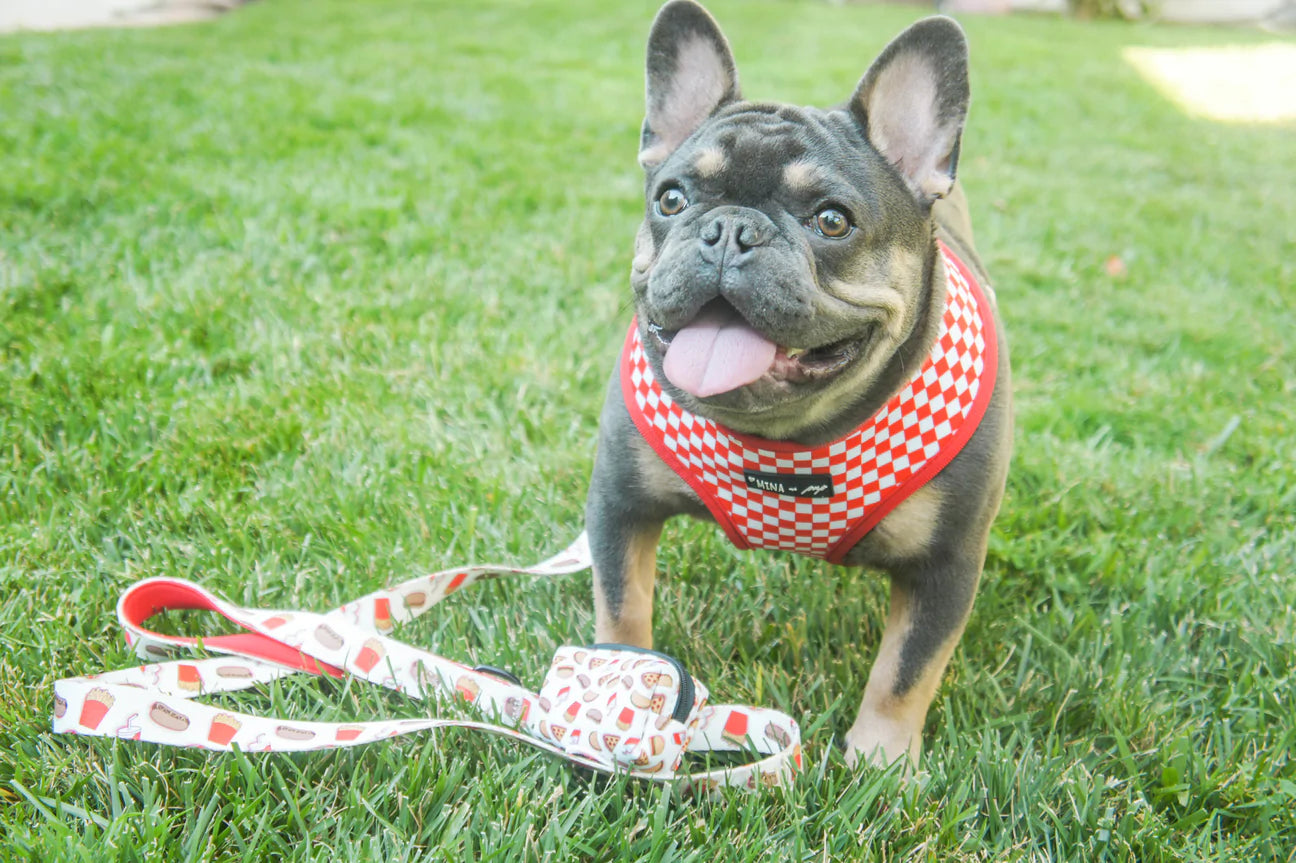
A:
(323, 295)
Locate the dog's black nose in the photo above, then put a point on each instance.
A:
(729, 236)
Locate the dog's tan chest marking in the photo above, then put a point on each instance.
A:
(907, 532)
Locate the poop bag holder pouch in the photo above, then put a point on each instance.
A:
(619, 706)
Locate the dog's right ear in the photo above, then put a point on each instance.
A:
(691, 73)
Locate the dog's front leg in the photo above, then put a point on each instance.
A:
(929, 609)
(623, 521)
(625, 569)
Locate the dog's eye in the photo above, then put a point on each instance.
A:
(832, 223)
(672, 202)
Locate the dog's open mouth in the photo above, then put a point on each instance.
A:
(821, 361)
(719, 352)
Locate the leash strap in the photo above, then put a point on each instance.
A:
(612, 708)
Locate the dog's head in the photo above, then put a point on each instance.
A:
(787, 253)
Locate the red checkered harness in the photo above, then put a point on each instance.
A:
(835, 493)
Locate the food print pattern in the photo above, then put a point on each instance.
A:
(156, 702)
(616, 707)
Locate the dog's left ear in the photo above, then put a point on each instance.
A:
(912, 103)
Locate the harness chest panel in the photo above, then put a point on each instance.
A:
(820, 500)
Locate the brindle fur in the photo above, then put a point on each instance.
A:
(754, 170)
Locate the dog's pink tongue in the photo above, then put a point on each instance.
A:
(717, 353)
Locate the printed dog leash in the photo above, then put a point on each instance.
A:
(612, 708)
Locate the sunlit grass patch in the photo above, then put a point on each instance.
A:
(1241, 84)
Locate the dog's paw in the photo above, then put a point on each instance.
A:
(882, 742)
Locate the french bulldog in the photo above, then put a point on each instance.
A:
(792, 286)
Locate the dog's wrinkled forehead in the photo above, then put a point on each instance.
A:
(751, 152)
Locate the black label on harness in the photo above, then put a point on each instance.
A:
(790, 484)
